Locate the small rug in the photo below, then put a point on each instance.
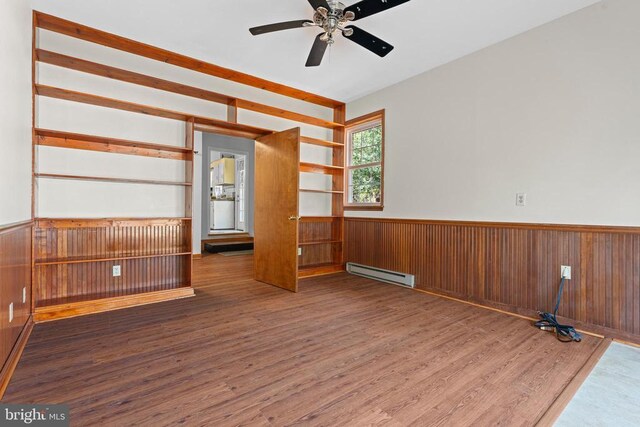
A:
(235, 253)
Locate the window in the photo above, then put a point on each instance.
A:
(365, 162)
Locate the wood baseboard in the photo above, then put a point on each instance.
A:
(197, 256)
(557, 407)
(14, 357)
(63, 311)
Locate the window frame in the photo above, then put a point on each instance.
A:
(356, 125)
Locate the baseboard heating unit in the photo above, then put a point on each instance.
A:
(393, 277)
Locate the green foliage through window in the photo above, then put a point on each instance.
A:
(365, 170)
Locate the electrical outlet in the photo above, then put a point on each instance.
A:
(117, 271)
(521, 199)
(10, 312)
(565, 271)
(299, 251)
(24, 294)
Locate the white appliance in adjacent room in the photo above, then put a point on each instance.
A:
(223, 215)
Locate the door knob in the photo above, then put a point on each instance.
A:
(295, 218)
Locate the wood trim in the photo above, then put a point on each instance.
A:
(285, 114)
(109, 179)
(103, 38)
(512, 225)
(554, 411)
(320, 219)
(121, 258)
(263, 132)
(101, 101)
(63, 311)
(14, 357)
(15, 226)
(53, 138)
(106, 222)
(365, 118)
(234, 104)
(240, 133)
(381, 115)
(364, 208)
(320, 242)
(197, 256)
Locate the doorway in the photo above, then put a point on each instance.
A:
(227, 193)
(243, 174)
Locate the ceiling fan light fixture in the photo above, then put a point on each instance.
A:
(332, 16)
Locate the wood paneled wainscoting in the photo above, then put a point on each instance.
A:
(74, 260)
(513, 267)
(15, 288)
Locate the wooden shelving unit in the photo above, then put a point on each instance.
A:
(60, 266)
(322, 237)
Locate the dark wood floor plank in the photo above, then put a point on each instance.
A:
(343, 351)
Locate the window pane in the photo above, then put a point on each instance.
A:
(365, 185)
(366, 146)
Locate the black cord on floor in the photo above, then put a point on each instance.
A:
(549, 322)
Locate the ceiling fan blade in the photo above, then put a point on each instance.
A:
(366, 8)
(317, 52)
(256, 31)
(368, 41)
(315, 4)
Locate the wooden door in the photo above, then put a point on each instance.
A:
(276, 209)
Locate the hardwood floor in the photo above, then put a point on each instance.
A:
(343, 351)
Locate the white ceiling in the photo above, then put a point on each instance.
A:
(425, 33)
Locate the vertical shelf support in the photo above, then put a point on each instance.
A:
(338, 182)
(232, 111)
(188, 192)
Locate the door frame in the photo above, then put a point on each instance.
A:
(206, 161)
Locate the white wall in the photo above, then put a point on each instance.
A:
(553, 113)
(60, 198)
(15, 111)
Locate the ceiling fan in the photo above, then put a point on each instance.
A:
(332, 16)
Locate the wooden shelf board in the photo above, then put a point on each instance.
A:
(320, 142)
(101, 101)
(122, 258)
(318, 168)
(54, 138)
(107, 179)
(307, 190)
(73, 307)
(320, 242)
(319, 269)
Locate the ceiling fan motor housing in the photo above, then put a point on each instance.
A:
(332, 20)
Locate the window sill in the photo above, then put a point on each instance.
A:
(364, 208)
